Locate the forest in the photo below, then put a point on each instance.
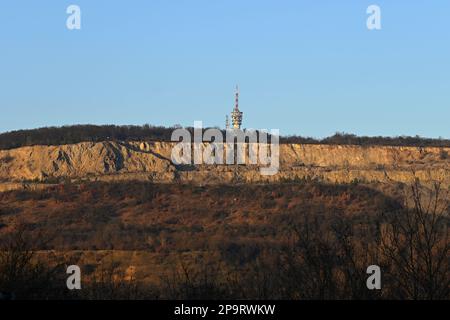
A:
(299, 240)
(95, 133)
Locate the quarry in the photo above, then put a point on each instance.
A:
(37, 166)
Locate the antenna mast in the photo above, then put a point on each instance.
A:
(236, 115)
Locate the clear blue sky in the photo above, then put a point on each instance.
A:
(305, 67)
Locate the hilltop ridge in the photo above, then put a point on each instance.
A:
(97, 133)
(151, 161)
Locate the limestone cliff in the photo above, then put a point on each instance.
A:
(108, 161)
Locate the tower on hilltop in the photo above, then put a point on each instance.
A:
(236, 115)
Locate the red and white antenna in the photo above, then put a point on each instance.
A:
(236, 105)
(236, 115)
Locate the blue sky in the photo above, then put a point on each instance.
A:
(305, 67)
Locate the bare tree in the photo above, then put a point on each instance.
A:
(22, 275)
(415, 241)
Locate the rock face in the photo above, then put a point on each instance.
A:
(41, 163)
(151, 161)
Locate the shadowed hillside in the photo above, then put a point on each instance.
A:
(167, 217)
(301, 240)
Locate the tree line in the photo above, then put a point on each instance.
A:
(95, 133)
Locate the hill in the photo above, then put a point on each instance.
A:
(28, 167)
(96, 133)
(301, 240)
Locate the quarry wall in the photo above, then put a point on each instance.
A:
(27, 167)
